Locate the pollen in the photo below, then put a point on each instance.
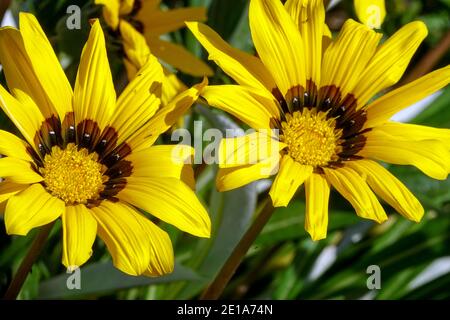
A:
(312, 139)
(72, 175)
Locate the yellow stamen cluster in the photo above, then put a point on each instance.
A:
(72, 175)
(311, 138)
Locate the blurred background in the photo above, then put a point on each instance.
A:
(284, 263)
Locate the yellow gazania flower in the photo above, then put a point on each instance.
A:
(370, 12)
(137, 54)
(319, 99)
(89, 158)
(146, 16)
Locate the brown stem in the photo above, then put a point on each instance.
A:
(216, 288)
(25, 267)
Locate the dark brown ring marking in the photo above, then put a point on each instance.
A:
(86, 134)
(328, 99)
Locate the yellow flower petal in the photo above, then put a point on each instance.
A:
(290, 177)
(134, 44)
(178, 57)
(139, 101)
(278, 43)
(13, 146)
(416, 132)
(46, 65)
(31, 208)
(161, 252)
(346, 59)
(370, 12)
(79, 232)
(317, 192)
(8, 189)
(173, 161)
(161, 22)
(390, 61)
(327, 38)
(170, 200)
(248, 149)
(244, 68)
(429, 156)
(236, 177)
(148, 7)
(309, 15)
(126, 7)
(137, 54)
(246, 104)
(18, 171)
(130, 68)
(353, 188)
(172, 87)
(125, 233)
(95, 96)
(382, 109)
(26, 117)
(389, 188)
(110, 11)
(20, 76)
(165, 118)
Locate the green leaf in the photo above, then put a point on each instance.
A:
(399, 261)
(103, 277)
(288, 223)
(224, 15)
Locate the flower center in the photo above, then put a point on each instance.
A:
(312, 139)
(72, 175)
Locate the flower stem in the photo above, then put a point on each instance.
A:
(216, 288)
(25, 267)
